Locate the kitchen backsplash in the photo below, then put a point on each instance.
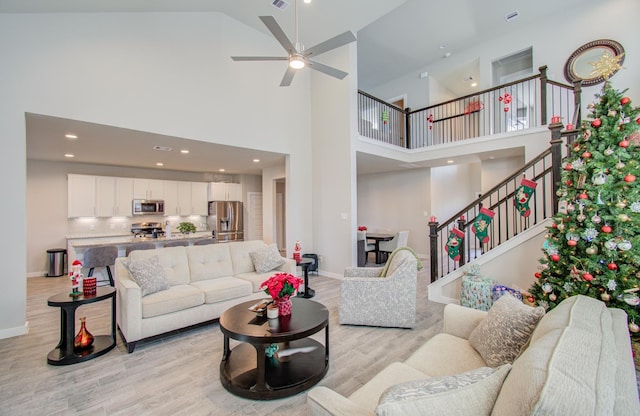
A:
(122, 225)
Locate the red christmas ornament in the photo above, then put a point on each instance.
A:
(569, 183)
(555, 257)
(538, 275)
(625, 100)
(629, 178)
(588, 277)
(612, 266)
(554, 225)
(530, 299)
(606, 229)
(586, 155)
(638, 120)
(583, 196)
(506, 109)
(568, 166)
(572, 243)
(624, 143)
(596, 123)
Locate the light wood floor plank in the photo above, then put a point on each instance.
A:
(179, 374)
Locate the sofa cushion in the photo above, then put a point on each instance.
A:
(148, 274)
(209, 262)
(256, 279)
(223, 288)
(500, 336)
(471, 393)
(240, 258)
(174, 299)
(368, 395)
(173, 261)
(445, 354)
(266, 258)
(570, 370)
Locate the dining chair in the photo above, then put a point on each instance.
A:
(100, 257)
(364, 248)
(399, 240)
(139, 246)
(178, 243)
(204, 242)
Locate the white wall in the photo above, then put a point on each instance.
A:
(495, 171)
(168, 73)
(453, 187)
(553, 41)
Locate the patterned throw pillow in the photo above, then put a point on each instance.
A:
(148, 274)
(266, 258)
(500, 336)
(472, 393)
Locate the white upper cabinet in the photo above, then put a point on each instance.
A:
(221, 191)
(113, 196)
(199, 201)
(124, 197)
(81, 196)
(148, 189)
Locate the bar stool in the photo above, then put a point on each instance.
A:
(140, 246)
(177, 243)
(103, 256)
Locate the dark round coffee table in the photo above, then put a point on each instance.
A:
(246, 371)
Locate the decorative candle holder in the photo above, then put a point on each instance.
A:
(272, 311)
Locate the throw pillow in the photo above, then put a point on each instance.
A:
(500, 336)
(472, 393)
(148, 274)
(266, 258)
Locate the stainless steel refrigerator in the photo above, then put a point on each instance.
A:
(225, 220)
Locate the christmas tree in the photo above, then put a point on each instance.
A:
(593, 245)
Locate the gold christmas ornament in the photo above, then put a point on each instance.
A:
(607, 65)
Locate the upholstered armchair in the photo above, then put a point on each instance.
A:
(366, 298)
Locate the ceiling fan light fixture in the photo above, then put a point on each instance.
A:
(296, 62)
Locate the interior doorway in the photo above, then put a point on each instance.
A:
(281, 215)
(399, 125)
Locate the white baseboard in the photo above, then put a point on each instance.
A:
(36, 274)
(14, 332)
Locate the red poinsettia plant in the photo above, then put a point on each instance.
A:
(280, 285)
(362, 228)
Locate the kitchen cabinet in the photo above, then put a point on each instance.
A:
(81, 196)
(185, 198)
(199, 200)
(148, 189)
(222, 191)
(113, 196)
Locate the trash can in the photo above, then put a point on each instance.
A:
(314, 266)
(56, 261)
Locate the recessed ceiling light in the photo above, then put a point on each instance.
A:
(443, 46)
(159, 164)
(70, 136)
(307, 1)
(256, 160)
(492, 157)
(449, 161)
(220, 170)
(69, 155)
(474, 84)
(446, 55)
(185, 151)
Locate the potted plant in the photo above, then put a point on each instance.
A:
(186, 227)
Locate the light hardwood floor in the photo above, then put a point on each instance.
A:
(179, 374)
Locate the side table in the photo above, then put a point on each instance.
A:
(64, 353)
(305, 263)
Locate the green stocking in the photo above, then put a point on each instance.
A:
(523, 195)
(453, 244)
(481, 224)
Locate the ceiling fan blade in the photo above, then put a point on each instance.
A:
(329, 70)
(288, 77)
(259, 58)
(327, 45)
(278, 33)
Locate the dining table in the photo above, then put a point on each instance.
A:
(377, 238)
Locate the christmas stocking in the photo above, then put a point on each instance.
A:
(453, 244)
(523, 195)
(481, 224)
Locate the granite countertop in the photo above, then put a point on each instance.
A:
(94, 241)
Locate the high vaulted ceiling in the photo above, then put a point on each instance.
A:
(395, 37)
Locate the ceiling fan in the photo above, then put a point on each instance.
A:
(299, 57)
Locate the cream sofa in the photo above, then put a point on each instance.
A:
(203, 281)
(578, 362)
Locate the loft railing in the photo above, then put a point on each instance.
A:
(530, 102)
(508, 222)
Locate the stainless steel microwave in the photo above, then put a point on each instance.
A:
(148, 207)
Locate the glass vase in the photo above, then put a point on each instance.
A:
(284, 306)
(84, 339)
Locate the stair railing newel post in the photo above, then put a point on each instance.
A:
(556, 162)
(433, 249)
(407, 127)
(462, 226)
(577, 103)
(543, 95)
